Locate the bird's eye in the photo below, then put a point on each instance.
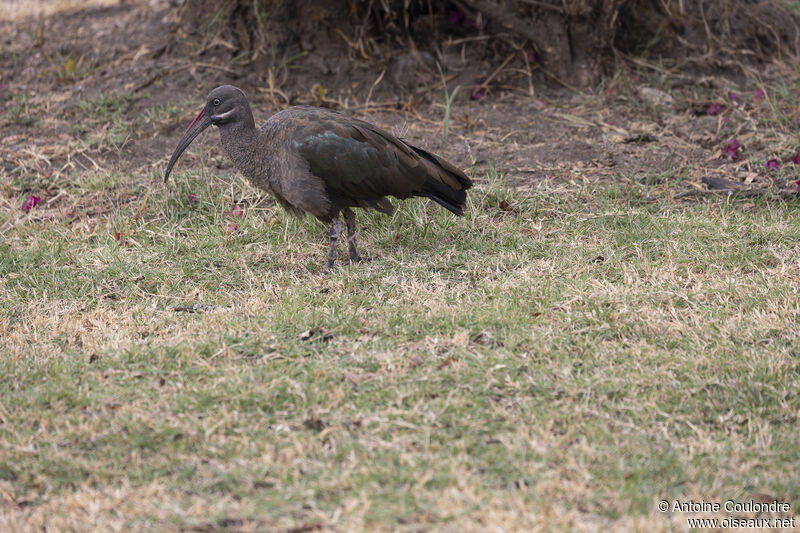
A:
(216, 101)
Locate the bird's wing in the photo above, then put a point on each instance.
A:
(360, 161)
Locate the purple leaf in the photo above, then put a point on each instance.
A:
(773, 164)
(734, 97)
(456, 17)
(192, 197)
(237, 211)
(534, 57)
(715, 109)
(30, 203)
(759, 95)
(477, 92)
(796, 158)
(232, 228)
(733, 149)
(798, 184)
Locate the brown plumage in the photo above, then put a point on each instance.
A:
(324, 163)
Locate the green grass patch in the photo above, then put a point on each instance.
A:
(557, 357)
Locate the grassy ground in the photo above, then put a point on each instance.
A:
(561, 358)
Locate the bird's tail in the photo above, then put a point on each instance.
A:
(446, 185)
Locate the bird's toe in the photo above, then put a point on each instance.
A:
(358, 259)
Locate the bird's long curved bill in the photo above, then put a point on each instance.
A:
(201, 122)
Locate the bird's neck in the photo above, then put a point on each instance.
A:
(240, 141)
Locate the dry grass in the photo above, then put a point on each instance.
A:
(561, 358)
(14, 10)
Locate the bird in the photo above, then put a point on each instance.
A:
(324, 163)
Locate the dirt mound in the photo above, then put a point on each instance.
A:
(573, 42)
(710, 33)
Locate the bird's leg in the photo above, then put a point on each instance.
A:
(336, 232)
(350, 220)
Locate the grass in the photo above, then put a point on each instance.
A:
(20, 113)
(448, 101)
(101, 123)
(559, 358)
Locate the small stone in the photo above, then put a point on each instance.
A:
(656, 97)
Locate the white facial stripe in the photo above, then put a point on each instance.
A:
(223, 115)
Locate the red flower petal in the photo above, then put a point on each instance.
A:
(237, 211)
(232, 228)
(192, 197)
(714, 109)
(733, 148)
(30, 203)
(796, 158)
(773, 164)
(759, 95)
(477, 92)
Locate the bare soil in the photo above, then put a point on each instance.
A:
(99, 87)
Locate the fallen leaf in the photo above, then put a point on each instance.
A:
(447, 362)
(507, 207)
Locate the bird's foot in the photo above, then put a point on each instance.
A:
(355, 258)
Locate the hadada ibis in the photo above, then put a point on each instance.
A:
(324, 163)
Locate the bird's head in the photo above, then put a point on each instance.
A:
(225, 105)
